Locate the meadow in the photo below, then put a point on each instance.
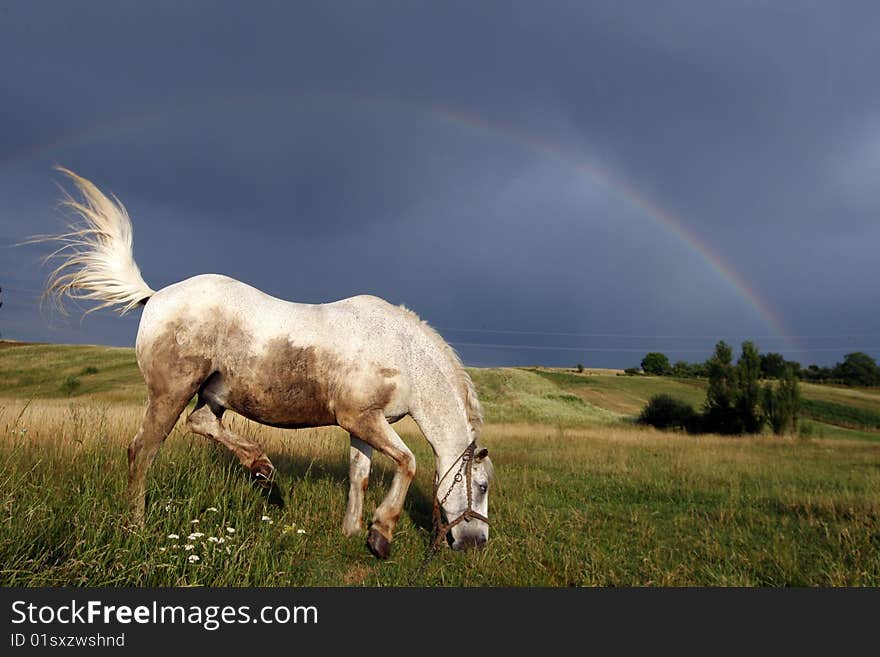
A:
(582, 496)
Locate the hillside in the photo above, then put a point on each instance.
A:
(40, 370)
(555, 397)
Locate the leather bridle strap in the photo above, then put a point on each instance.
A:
(466, 460)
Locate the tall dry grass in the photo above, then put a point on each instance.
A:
(601, 505)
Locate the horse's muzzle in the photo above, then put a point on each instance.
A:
(471, 540)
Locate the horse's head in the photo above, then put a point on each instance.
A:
(467, 513)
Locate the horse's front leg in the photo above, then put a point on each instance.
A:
(373, 429)
(358, 479)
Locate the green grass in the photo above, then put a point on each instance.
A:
(609, 506)
(514, 395)
(627, 394)
(851, 417)
(41, 370)
(582, 497)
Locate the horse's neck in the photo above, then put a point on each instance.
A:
(442, 417)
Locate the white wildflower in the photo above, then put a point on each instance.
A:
(231, 530)
(212, 509)
(173, 537)
(213, 539)
(266, 519)
(162, 549)
(194, 521)
(192, 558)
(188, 546)
(300, 531)
(194, 536)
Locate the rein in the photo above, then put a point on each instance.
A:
(441, 529)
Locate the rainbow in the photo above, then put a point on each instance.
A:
(710, 258)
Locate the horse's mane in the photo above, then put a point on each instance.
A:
(466, 385)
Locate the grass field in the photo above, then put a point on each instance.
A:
(582, 496)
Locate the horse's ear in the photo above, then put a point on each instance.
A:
(481, 454)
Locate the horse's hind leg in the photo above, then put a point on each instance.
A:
(358, 478)
(162, 413)
(373, 429)
(205, 421)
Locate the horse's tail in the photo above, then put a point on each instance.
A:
(97, 261)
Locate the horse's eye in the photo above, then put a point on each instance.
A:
(483, 488)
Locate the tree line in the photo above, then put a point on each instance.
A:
(856, 369)
(736, 401)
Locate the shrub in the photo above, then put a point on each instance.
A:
(89, 369)
(70, 384)
(632, 371)
(580, 368)
(666, 412)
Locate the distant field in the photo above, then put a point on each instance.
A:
(39, 371)
(546, 396)
(582, 496)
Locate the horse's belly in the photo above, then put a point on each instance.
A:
(289, 411)
(280, 403)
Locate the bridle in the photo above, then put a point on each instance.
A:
(465, 463)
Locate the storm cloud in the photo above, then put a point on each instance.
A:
(546, 183)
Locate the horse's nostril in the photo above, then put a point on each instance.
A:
(470, 542)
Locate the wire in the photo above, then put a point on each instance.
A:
(495, 345)
(651, 337)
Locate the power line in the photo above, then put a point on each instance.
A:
(652, 337)
(495, 345)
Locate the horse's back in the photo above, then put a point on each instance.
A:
(217, 298)
(275, 361)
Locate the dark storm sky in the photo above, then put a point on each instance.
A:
(476, 161)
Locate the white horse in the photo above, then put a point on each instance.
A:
(359, 363)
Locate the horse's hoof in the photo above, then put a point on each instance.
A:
(274, 496)
(263, 473)
(264, 476)
(378, 544)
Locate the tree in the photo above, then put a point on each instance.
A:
(782, 405)
(665, 412)
(747, 397)
(681, 369)
(772, 366)
(858, 369)
(817, 374)
(721, 394)
(656, 363)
